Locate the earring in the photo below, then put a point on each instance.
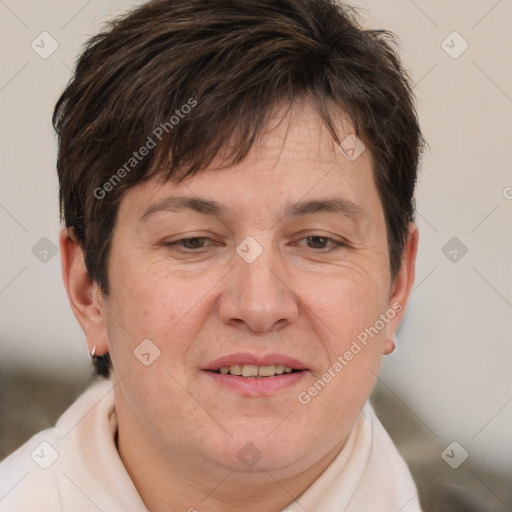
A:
(93, 351)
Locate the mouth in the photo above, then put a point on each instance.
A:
(254, 371)
(252, 375)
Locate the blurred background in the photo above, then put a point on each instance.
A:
(445, 394)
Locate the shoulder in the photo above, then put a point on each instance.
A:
(387, 478)
(30, 477)
(27, 480)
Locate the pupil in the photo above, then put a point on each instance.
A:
(193, 242)
(317, 238)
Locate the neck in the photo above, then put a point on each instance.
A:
(178, 484)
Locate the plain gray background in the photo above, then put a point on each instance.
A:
(452, 366)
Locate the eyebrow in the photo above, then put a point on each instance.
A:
(335, 205)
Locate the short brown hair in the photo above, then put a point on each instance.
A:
(202, 73)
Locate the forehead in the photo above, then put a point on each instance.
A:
(294, 160)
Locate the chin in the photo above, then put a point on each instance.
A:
(262, 448)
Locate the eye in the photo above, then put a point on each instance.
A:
(193, 244)
(321, 242)
(196, 242)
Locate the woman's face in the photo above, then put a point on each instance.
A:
(278, 262)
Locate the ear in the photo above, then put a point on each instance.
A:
(84, 294)
(401, 287)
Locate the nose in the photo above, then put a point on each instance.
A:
(257, 295)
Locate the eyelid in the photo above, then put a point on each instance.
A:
(334, 244)
(178, 241)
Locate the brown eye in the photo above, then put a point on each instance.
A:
(320, 243)
(193, 243)
(190, 244)
(317, 242)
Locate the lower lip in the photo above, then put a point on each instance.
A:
(257, 386)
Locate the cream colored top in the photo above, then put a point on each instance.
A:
(75, 467)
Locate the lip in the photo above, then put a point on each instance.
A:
(258, 360)
(256, 386)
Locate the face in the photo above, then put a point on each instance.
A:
(279, 262)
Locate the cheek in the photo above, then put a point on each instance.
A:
(346, 314)
(156, 304)
(348, 304)
(350, 311)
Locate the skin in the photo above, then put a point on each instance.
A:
(179, 431)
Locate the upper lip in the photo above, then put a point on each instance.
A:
(257, 360)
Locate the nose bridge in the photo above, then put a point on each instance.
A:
(258, 295)
(260, 279)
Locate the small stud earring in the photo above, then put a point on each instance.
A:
(93, 351)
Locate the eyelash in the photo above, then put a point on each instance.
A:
(336, 244)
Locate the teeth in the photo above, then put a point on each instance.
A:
(267, 371)
(251, 370)
(235, 369)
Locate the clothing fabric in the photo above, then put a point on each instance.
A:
(75, 467)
